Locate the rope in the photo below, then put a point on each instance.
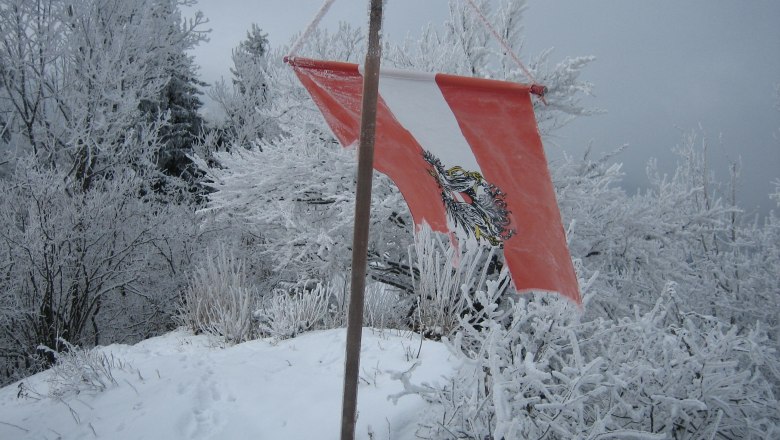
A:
(309, 29)
(536, 89)
(503, 42)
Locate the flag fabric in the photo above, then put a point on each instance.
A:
(465, 154)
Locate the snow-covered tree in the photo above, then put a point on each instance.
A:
(177, 105)
(538, 371)
(91, 251)
(89, 267)
(252, 49)
(75, 74)
(243, 99)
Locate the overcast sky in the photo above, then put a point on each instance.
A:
(663, 67)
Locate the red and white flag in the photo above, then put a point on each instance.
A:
(465, 154)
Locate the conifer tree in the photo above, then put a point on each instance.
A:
(178, 104)
(244, 100)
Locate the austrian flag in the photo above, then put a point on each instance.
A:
(465, 154)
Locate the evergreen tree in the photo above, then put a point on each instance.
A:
(178, 104)
(248, 96)
(250, 53)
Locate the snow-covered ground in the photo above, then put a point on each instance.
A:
(181, 386)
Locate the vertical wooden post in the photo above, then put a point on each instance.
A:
(362, 214)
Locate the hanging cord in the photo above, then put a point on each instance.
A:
(536, 89)
(313, 25)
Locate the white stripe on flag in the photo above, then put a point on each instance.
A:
(417, 103)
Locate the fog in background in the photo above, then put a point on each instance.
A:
(663, 68)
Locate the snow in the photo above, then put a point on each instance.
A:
(183, 386)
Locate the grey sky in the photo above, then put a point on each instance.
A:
(663, 67)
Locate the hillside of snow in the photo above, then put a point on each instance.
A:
(183, 386)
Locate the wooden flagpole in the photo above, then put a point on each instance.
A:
(362, 214)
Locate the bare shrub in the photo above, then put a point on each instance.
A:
(384, 306)
(78, 370)
(90, 266)
(447, 276)
(665, 374)
(286, 314)
(217, 300)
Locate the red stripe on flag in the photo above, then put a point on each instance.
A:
(498, 122)
(337, 89)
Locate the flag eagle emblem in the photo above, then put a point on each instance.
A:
(465, 153)
(475, 206)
